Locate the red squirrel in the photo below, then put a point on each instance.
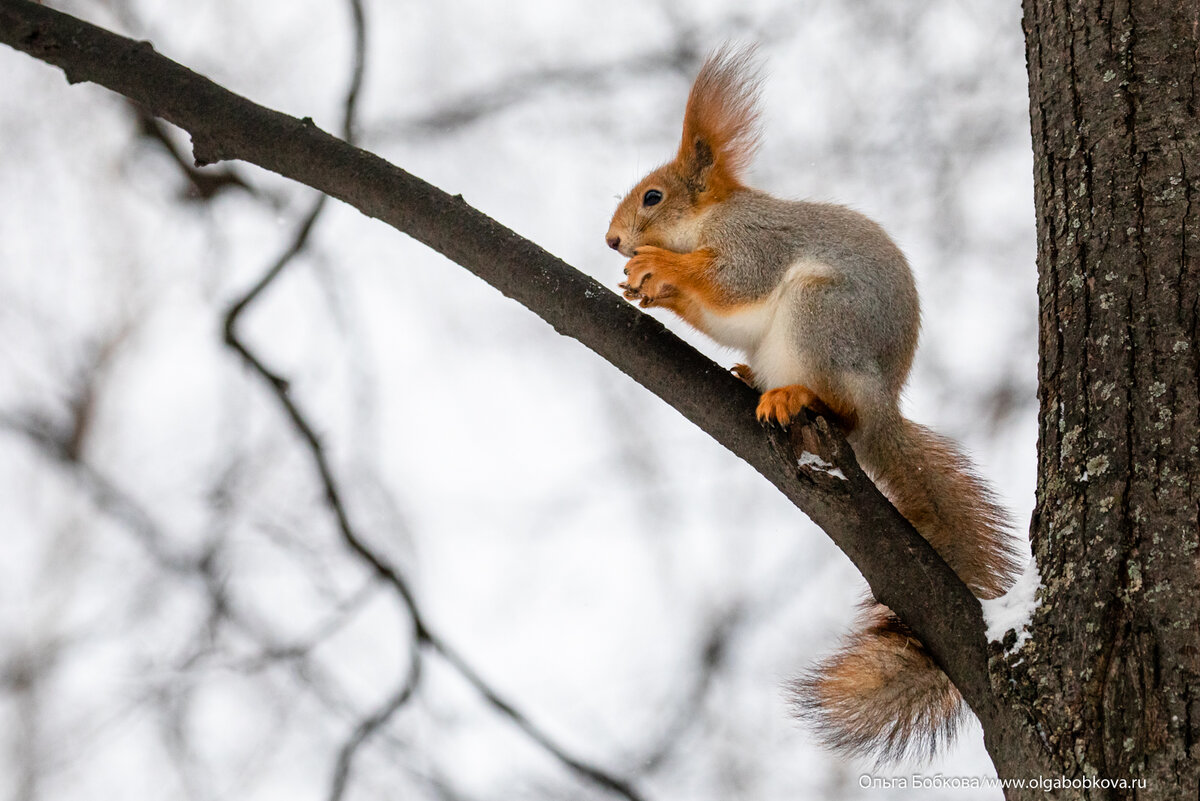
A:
(824, 307)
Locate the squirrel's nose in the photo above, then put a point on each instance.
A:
(614, 242)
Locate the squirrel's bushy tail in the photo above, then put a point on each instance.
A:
(882, 694)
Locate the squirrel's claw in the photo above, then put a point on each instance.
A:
(645, 282)
(646, 289)
(652, 295)
(744, 372)
(782, 404)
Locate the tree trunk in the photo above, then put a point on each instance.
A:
(1112, 673)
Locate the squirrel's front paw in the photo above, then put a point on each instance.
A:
(646, 283)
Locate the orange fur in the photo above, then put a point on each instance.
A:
(931, 482)
(720, 125)
(681, 282)
(881, 694)
(782, 404)
(744, 372)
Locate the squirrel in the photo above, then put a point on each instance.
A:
(824, 306)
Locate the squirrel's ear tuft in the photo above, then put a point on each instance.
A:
(720, 126)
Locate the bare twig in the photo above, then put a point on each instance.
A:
(203, 568)
(106, 494)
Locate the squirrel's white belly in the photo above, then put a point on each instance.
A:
(744, 328)
(763, 330)
(777, 362)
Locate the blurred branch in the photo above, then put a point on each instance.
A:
(510, 90)
(363, 731)
(61, 445)
(368, 725)
(350, 537)
(713, 657)
(204, 569)
(681, 56)
(902, 569)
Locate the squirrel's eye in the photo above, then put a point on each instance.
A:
(651, 197)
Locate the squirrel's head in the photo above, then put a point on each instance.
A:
(720, 134)
(662, 210)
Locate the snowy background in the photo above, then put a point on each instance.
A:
(178, 616)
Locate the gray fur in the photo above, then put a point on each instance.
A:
(865, 321)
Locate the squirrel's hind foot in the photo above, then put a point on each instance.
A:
(744, 372)
(782, 405)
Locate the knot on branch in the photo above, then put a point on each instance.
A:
(818, 453)
(206, 152)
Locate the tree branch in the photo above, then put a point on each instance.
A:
(902, 569)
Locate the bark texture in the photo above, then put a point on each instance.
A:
(1112, 674)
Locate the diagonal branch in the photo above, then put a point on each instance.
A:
(903, 571)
